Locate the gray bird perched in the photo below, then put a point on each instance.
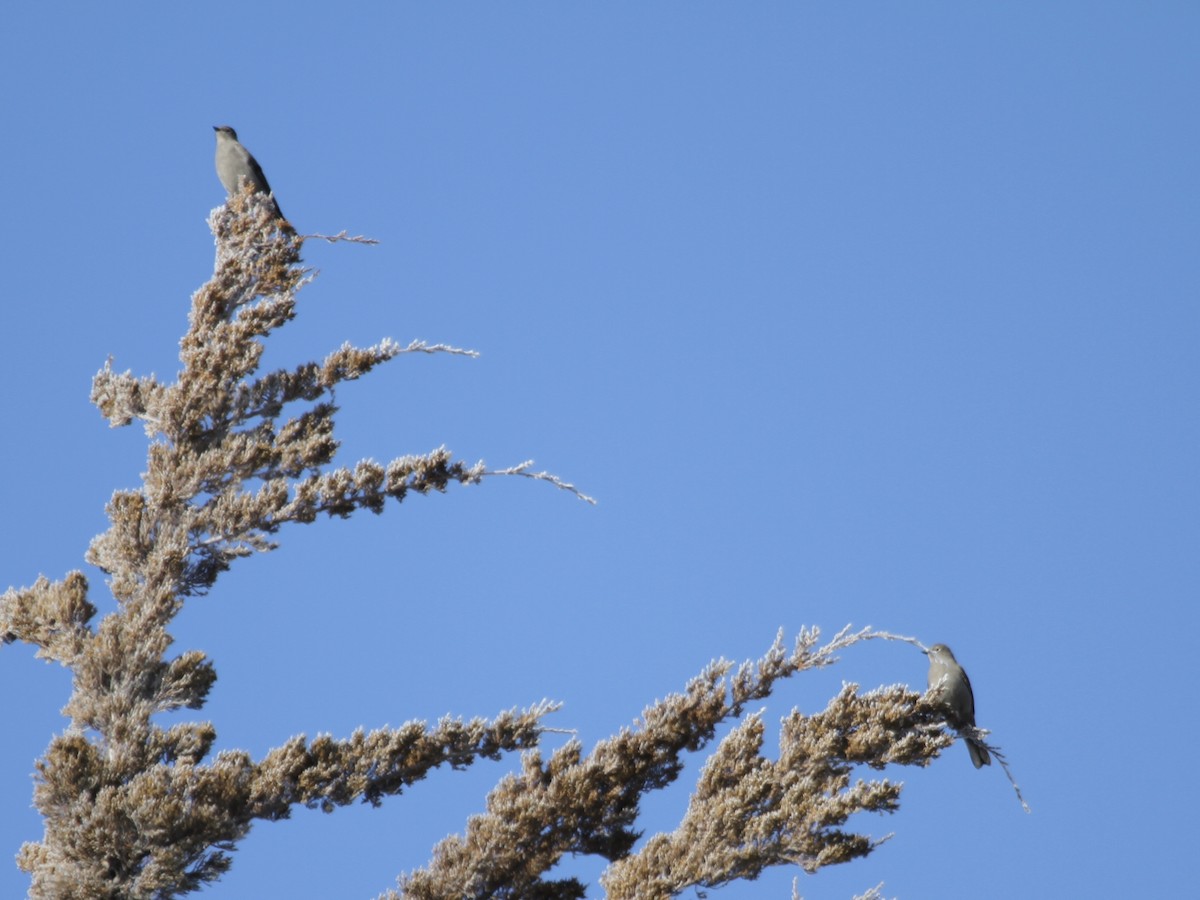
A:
(951, 688)
(235, 166)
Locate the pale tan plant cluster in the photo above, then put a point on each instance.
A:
(748, 812)
(135, 810)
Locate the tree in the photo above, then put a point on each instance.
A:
(133, 810)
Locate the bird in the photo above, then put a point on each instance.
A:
(236, 166)
(951, 688)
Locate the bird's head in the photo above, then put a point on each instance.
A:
(939, 650)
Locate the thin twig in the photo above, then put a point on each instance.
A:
(543, 476)
(422, 347)
(341, 236)
(975, 734)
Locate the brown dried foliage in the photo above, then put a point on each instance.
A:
(134, 810)
(746, 814)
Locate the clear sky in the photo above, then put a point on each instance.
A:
(867, 313)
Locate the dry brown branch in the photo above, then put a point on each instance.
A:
(131, 809)
(747, 812)
(135, 810)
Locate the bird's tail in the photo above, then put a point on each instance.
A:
(979, 754)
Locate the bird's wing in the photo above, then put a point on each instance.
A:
(257, 171)
(970, 693)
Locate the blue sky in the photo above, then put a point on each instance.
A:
(878, 314)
